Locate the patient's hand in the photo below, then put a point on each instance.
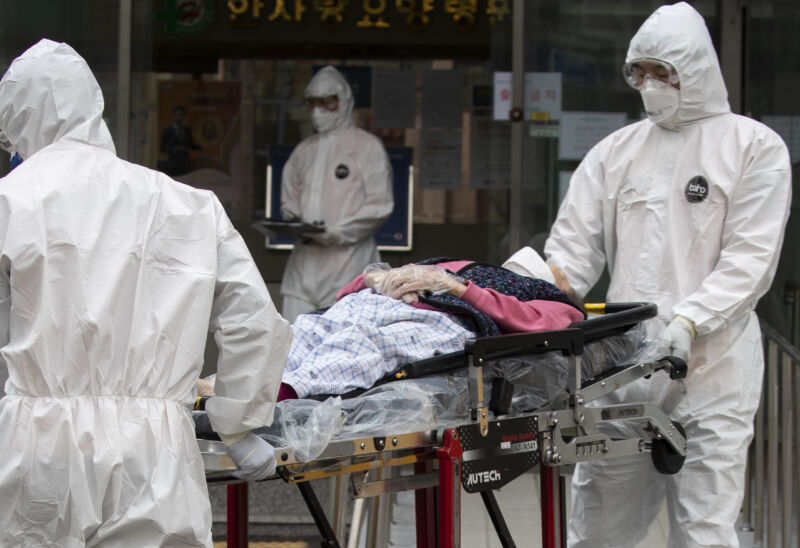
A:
(410, 281)
(374, 278)
(204, 387)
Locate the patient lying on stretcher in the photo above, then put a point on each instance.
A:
(387, 318)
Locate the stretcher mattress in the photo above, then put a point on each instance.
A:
(413, 405)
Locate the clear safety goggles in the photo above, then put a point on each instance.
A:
(329, 102)
(639, 70)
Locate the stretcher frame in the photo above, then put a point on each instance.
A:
(492, 448)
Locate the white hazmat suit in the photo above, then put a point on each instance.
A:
(340, 175)
(109, 275)
(689, 214)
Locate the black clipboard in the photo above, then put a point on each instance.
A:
(290, 229)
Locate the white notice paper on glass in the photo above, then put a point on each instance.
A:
(543, 94)
(440, 159)
(489, 156)
(502, 95)
(442, 98)
(580, 131)
(395, 98)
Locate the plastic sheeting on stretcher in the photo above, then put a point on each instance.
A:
(545, 410)
(308, 426)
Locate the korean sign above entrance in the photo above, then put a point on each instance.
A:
(190, 35)
(189, 18)
(382, 14)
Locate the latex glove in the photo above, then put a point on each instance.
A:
(681, 332)
(204, 387)
(408, 282)
(413, 281)
(255, 457)
(374, 275)
(561, 279)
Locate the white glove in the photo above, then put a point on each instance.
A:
(255, 457)
(329, 236)
(681, 332)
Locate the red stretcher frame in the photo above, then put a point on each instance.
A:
(447, 513)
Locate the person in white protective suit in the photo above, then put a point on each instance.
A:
(339, 176)
(111, 275)
(687, 208)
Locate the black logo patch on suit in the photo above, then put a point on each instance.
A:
(696, 189)
(342, 171)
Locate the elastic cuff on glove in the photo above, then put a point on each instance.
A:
(230, 439)
(688, 323)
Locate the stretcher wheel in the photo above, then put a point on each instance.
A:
(665, 458)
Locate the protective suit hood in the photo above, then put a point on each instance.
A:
(678, 35)
(329, 81)
(48, 94)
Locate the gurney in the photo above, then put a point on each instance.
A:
(482, 430)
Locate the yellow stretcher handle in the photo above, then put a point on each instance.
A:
(596, 308)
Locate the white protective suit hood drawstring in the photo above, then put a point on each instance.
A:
(678, 35)
(40, 108)
(329, 81)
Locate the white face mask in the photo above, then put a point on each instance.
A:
(660, 100)
(323, 119)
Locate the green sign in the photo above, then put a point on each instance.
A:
(187, 17)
